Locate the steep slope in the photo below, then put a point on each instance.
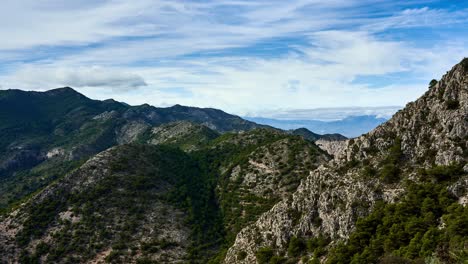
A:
(158, 203)
(404, 182)
(256, 169)
(121, 206)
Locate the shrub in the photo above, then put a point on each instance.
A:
(296, 246)
(444, 173)
(389, 173)
(464, 63)
(277, 260)
(452, 104)
(241, 255)
(314, 261)
(264, 255)
(433, 82)
(368, 172)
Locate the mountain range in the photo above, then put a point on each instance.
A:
(86, 181)
(351, 126)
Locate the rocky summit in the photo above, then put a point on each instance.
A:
(87, 181)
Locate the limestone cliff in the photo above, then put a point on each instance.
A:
(431, 131)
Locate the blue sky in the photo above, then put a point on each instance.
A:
(246, 57)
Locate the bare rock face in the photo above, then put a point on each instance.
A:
(186, 135)
(332, 147)
(106, 115)
(131, 131)
(431, 130)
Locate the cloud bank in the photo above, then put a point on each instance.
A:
(328, 114)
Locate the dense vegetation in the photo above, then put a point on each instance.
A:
(428, 224)
(134, 187)
(233, 152)
(410, 231)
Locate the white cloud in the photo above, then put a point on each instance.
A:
(39, 78)
(316, 75)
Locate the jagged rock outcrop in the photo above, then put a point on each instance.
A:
(332, 147)
(433, 130)
(130, 132)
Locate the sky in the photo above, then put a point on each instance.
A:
(251, 58)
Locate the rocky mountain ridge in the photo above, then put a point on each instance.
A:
(427, 133)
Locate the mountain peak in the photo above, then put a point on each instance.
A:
(464, 64)
(65, 92)
(62, 90)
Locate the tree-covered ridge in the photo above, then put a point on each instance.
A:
(132, 203)
(75, 214)
(15, 190)
(132, 182)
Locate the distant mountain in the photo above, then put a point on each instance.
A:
(33, 123)
(311, 136)
(61, 127)
(352, 126)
